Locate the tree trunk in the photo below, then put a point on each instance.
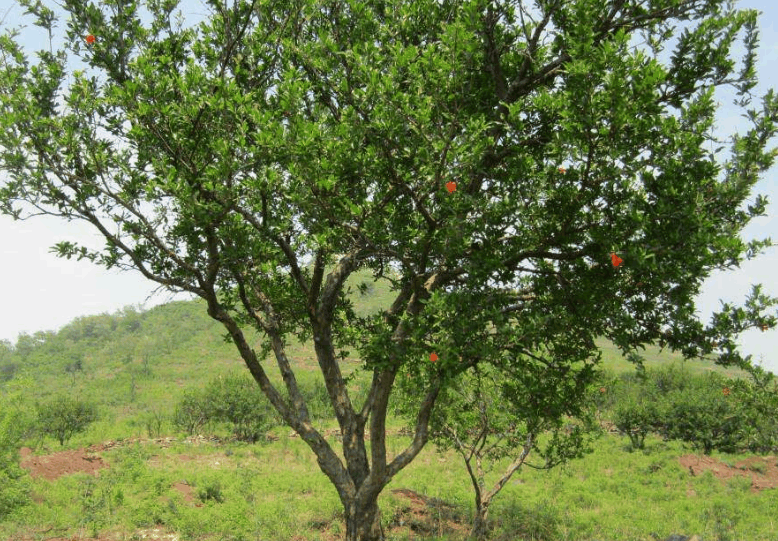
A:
(480, 531)
(364, 524)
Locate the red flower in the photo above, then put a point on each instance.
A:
(616, 260)
(90, 39)
(433, 357)
(451, 186)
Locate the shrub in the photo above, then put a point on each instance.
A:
(238, 401)
(706, 416)
(64, 416)
(192, 412)
(759, 400)
(669, 379)
(153, 421)
(211, 490)
(635, 419)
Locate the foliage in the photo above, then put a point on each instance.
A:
(236, 400)
(14, 420)
(192, 413)
(64, 416)
(636, 417)
(154, 421)
(710, 412)
(211, 490)
(760, 402)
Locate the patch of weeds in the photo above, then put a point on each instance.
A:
(539, 523)
(93, 503)
(740, 483)
(724, 519)
(585, 501)
(211, 490)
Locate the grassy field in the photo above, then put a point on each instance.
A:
(275, 491)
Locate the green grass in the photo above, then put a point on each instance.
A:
(276, 491)
(269, 490)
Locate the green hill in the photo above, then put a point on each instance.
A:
(134, 361)
(137, 365)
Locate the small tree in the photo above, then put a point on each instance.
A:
(487, 416)
(236, 400)
(636, 417)
(64, 417)
(192, 412)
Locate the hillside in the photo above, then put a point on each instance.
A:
(135, 361)
(126, 478)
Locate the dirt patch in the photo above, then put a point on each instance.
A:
(56, 465)
(763, 471)
(187, 491)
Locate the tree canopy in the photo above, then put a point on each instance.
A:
(536, 180)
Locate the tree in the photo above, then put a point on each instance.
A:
(532, 179)
(487, 416)
(64, 417)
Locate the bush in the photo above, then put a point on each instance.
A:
(669, 379)
(238, 401)
(235, 400)
(192, 413)
(636, 418)
(759, 403)
(154, 421)
(707, 415)
(64, 416)
(211, 490)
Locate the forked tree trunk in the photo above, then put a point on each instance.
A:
(364, 524)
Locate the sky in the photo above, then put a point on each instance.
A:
(43, 292)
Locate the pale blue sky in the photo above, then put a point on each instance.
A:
(43, 292)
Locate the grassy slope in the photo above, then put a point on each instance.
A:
(610, 494)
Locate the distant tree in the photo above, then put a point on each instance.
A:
(64, 416)
(132, 319)
(75, 365)
(532, 177)
(25, 345)
(7, 370)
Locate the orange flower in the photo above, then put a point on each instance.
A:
(764, 328)
(433, 357)
(726, 391)
(451, 186)
(562, 170)
(616, 260)
(602, 389)
(90, 39)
